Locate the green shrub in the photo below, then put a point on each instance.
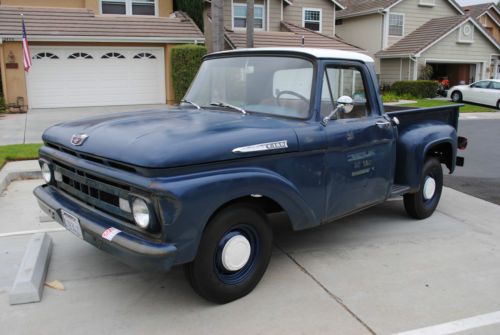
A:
(193, 8)
(416, 88)
(186, 60)
(2, 105)
(390, 97)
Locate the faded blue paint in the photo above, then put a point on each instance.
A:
(185, 163)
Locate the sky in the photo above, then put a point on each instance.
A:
(473, 2)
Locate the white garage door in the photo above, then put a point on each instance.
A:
(95, 76)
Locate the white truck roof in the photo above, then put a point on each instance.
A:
(315, 52)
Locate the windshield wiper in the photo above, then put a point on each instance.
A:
(224, 104)
(191, 103)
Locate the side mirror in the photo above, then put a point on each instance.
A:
(345, 104)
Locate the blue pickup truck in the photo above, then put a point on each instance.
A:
(294, 130)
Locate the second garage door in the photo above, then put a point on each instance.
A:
(95, 76)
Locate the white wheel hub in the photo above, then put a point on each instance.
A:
(429, 188)
(236, 253)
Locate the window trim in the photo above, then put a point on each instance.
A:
(264, 26)
(304, 9)
(128, 8)
(427, 3)
(403, 25)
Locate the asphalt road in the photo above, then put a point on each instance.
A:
(480, 176)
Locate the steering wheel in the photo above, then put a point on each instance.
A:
(295, 94)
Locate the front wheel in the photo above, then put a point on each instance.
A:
(233, 254)
(456, 96)
(422, 204)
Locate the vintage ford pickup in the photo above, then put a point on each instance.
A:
(300, 131)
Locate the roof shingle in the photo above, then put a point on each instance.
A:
(423, 36)
(290, 37)
(55, 22)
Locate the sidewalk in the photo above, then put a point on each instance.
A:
(28, 128)
(377, 270)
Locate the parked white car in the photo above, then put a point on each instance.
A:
(484, 92)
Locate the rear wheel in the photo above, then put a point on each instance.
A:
(233, 254)
(422, 204)
(456, 96)
(498, 104)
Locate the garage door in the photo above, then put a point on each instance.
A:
(95, 76)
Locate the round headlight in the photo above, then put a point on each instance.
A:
(46, 173)
(141, 213)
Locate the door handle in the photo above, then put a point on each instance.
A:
(383, 124)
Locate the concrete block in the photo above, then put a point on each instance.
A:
(30, 277)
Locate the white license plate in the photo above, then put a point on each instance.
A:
(72, 224)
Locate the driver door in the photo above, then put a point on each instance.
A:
(360, 159)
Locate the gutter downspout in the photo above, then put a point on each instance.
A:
(2, 71)
(415, 66)
(385, 28)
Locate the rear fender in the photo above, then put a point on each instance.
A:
(418, 142)
(200, 196)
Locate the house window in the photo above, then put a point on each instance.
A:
(240, 16)
(311, 18)
(128, 7)
(396, 24)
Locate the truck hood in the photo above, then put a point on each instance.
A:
(177, 137)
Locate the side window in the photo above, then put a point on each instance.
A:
(481, 84)
(339, 81)
(495, 85)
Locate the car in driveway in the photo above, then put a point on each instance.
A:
(294, 130)
(484, 92)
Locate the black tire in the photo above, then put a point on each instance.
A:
(207, 273)
(498, 104)
(416, 204)
(456, 96)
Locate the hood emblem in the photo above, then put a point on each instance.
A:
(262, 147)
(78, 139)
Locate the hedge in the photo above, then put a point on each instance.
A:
(2, 105)
(420, 89)
(186, 60)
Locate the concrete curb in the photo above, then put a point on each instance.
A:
(28, 286)
(22, 170)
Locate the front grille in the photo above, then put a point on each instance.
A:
(94, 191)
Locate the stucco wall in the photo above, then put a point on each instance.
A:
(15, 80)
(365, 32)
(491, 26)
(416, 15)
(165, 7)
(45, 3)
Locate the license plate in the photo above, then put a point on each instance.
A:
(72, 224)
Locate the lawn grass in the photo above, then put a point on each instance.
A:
(18, 152)
(468, 108)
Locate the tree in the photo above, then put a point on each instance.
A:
(217, 25)
(250, 22)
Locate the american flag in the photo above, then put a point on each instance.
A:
(26, 49)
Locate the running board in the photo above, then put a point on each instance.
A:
(398, 190)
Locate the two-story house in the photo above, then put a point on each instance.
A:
(404, 36)
(488, 16)
(91, 52)
(285, 23)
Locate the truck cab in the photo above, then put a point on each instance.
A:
(294, 130)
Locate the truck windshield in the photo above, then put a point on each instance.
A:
(278, 86)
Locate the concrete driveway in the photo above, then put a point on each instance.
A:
(28, 128)
(377, 272)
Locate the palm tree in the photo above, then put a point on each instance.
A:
(250, 22)
(217, 7)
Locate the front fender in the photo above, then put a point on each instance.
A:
(413, 146)
(200, 195)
